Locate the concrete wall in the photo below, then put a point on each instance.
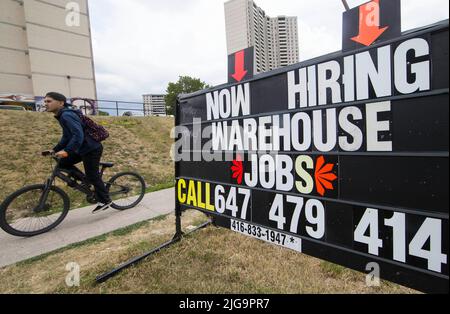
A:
(15, 72)
(48, 55)
(14, 62)
(43, 13)
(21, 85)
(12, 12)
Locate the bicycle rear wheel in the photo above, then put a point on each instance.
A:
(21, 215)
(126, 190)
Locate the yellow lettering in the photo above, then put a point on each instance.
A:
(181, 193)
(199, 193)
(192, 198)
(209, 206)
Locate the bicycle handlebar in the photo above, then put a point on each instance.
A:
(50, 154)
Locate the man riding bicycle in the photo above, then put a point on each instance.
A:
(76, 146)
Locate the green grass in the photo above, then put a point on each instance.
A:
(160, 186)
(332, 269)
(129, 229)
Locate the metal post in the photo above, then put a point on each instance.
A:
(95, 108)
(178, 231)
(178, 211)
(117, 108)
(344, 2)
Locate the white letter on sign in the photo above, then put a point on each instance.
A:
(300, 88)
(212, 106)
(380, 78)
(240, 100)
(330, 130)
(284, 166)
(374, 126)
(331, 83)
(420, 70)
(351, 129)
(225, 104)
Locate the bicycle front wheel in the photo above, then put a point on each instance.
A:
(22, 214)
(126, 190)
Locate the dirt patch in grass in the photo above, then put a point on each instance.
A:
(211, 260)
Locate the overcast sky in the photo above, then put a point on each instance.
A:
(142, 45)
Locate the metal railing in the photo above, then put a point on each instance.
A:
(110, 107)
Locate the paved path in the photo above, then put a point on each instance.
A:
(81, 224)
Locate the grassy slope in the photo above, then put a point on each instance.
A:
(139, 144)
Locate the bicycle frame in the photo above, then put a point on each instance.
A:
(83, 188)
(59, 173)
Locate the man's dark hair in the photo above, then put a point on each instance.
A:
(58, 97)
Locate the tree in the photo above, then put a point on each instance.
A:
(185, 85)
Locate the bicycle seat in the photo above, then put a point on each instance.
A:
(107, 164)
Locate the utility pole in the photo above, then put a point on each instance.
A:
(344, 2)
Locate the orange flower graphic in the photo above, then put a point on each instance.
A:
(238, 169)
(324, 176)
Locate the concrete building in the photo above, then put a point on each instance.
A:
(154, 105)
(275, 39)
(45, 45)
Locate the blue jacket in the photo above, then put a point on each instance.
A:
(74, 140)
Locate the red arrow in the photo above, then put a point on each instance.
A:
(239, 67)
(369, 23)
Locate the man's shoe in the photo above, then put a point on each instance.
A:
(101, 206)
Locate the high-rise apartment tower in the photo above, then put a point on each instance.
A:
(275, 39)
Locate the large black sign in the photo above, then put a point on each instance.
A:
(344, 158)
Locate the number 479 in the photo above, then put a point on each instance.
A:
(431, 229)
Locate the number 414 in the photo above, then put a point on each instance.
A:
(431, 229)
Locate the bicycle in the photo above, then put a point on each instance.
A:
(37, 209)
